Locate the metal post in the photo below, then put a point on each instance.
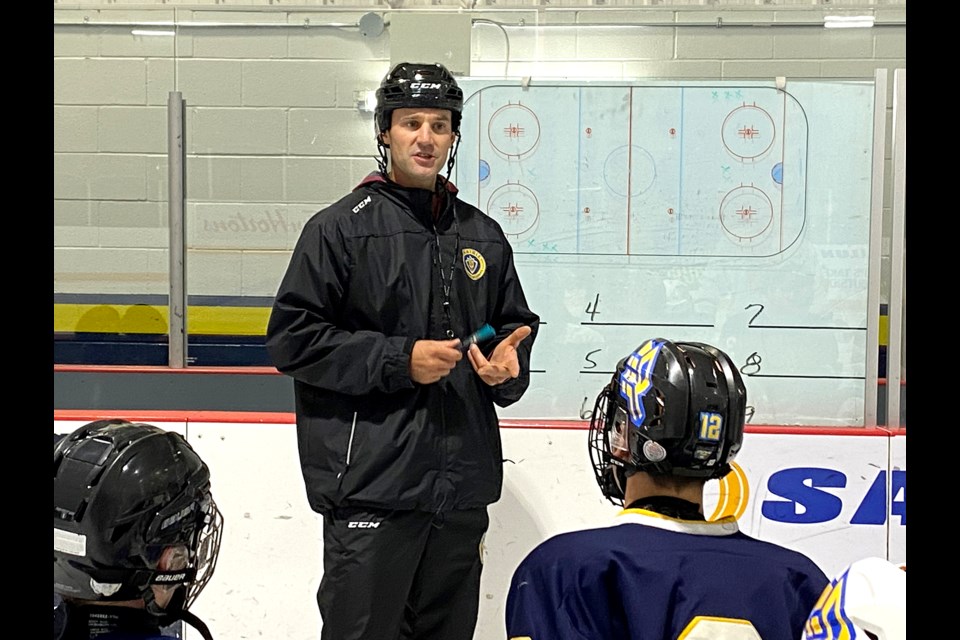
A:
(876, 236)
(895, 346)
(177, 307)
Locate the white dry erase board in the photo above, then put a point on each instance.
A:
(726, 212)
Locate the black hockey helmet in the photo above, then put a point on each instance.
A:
(413, 84)
(671, 408)
(123, 493)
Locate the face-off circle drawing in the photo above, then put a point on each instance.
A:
(746, 213)
(748, 133)
(514, 130)
(516, 208)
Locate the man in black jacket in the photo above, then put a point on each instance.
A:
(398, 434)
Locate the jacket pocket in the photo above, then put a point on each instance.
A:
(327, 445)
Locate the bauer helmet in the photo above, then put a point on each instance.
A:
(124, 494)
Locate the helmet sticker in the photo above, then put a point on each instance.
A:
(654, 451)
(635, 379)
(711, 426)
(68, 542)
(474, 264)
(104, 588)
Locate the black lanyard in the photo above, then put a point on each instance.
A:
(447, 282)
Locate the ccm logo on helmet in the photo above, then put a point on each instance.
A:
(362, 525)
(424, 85)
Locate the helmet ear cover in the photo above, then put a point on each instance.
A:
(670, 409)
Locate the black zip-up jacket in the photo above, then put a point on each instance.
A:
(363, 284)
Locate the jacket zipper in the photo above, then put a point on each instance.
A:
(353, 428)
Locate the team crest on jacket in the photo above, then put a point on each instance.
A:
(474, 264)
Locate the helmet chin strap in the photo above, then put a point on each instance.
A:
(154, 608)
(174, 611)
(197, 624)
(453, 155)
(382, 149)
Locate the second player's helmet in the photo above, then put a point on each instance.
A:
(123, 493)
(412, 84)
(671, 408)
(867, 600)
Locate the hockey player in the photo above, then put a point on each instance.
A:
(671, 418)
(136, 532)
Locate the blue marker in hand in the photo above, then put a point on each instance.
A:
(478, 337)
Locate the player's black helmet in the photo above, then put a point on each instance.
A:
(122, 493)
(672, 408)
(412, 84)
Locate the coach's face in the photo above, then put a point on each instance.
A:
(420, 141)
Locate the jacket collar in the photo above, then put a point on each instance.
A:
(418, 201)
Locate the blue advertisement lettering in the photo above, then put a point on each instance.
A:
(804, 503)
(873, 508)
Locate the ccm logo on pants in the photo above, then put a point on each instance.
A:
(362, 525)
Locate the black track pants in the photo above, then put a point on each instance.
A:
(391, 575)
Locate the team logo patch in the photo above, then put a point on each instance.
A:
(474, 264)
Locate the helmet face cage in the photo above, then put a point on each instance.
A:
(608, 469)
(205, 551)
(670, 409)
(123, 493)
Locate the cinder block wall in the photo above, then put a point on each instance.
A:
(273, 131)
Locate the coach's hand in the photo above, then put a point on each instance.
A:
(503, 363)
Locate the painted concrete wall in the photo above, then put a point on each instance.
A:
(273, 132)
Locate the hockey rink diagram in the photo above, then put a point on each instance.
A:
(645, 171)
